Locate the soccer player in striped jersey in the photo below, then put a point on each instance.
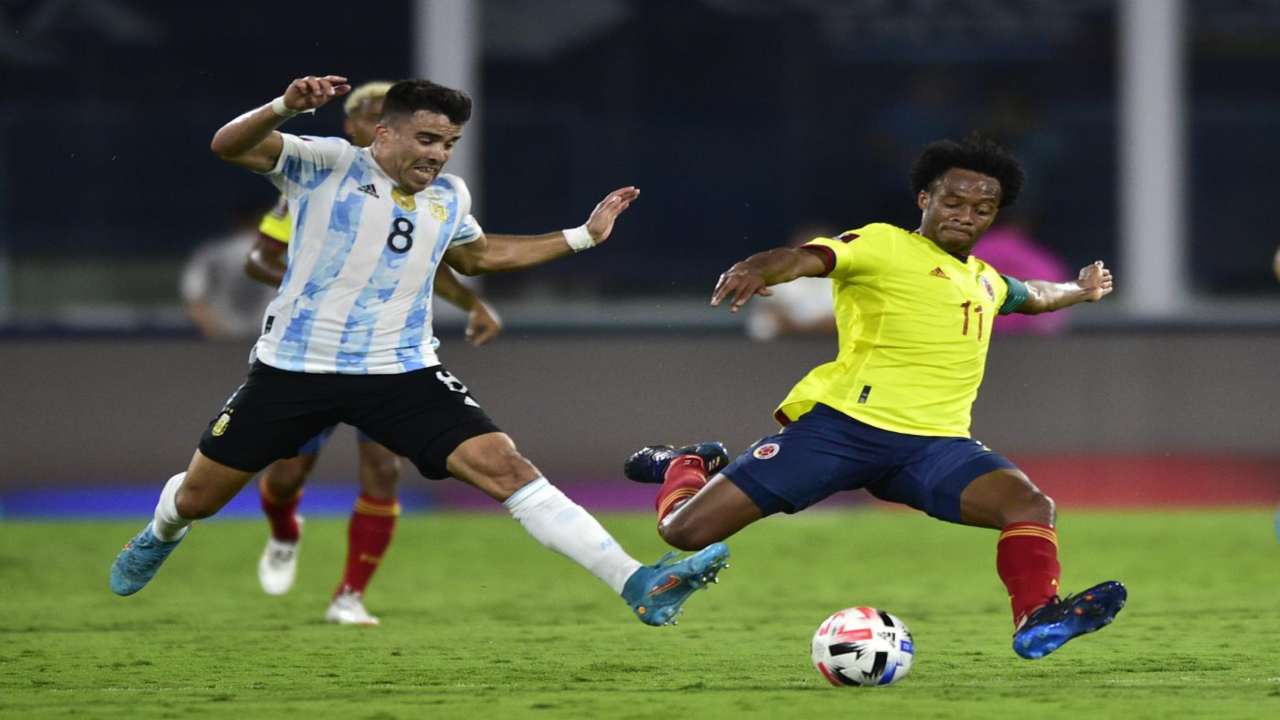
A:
(891, 413)
(348, 339)
(373, 519)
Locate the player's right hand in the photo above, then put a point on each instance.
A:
(739, 284)
(310, 92)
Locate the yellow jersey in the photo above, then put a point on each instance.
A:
(914, 325)
(277, 224)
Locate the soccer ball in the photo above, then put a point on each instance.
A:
(862, 646)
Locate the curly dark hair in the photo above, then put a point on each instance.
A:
(409, 96)
(975, 153)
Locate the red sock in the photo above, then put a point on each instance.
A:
(685, 476)
(372, 523)
(1027, 561)
(281, 514)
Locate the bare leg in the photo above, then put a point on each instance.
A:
(491, 463)
(379, 471)
(283, 479)
(1003, 497)
(209, 485)
(718, 510)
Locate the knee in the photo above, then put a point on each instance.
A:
(284, 478)
(1032, 505)
(193, 504)
(683, 535)
(508, 471)
(380, 475)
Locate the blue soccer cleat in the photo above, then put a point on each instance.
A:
(138, 562)
(656, 592)
(649, 464)
(1050, 627)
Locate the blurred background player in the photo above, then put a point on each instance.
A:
(892, 413)
(373, 519)
(802, 307)
(222, 303)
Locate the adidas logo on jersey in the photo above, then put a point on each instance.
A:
(938, 273)
(368, 189)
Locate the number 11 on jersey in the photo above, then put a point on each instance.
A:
(977, 310)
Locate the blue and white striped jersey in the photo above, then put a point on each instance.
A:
(357, 295)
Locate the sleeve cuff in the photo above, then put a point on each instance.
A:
(286, 138)
(1016, 297)
(827, 254)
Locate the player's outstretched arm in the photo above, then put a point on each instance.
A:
(483, 323)
(499, 253)
(754, 275)
(1093, 284)
(251, 140)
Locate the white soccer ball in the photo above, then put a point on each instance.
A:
(863, 646)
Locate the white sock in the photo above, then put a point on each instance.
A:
(562, 525)
(169, 525)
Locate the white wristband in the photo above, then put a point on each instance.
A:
(579, 238)
(279, 108)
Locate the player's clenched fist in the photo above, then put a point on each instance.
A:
(310, 92)
(1095, 280)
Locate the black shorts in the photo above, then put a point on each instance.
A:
(423, 415)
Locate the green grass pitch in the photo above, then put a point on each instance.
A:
(480, 621)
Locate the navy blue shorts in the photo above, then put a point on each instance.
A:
(312, 446)
(826, 451)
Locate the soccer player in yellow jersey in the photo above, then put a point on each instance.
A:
(373, 519)
(891, 413)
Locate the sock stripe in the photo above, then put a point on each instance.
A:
(675, 497)
(1028, 532)
(1025, 530)
(377, 509)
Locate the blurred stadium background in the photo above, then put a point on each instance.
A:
(1147, 128)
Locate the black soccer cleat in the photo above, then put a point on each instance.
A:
(649, 464)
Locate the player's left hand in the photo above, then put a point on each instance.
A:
(483, 324)
(1095, 281)
(600, 224)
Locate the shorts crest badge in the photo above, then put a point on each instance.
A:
(220, 426)
(765, 451)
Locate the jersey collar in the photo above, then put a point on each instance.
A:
(962, 259)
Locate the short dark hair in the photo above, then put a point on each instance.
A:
(976, 153)
(409, 96)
